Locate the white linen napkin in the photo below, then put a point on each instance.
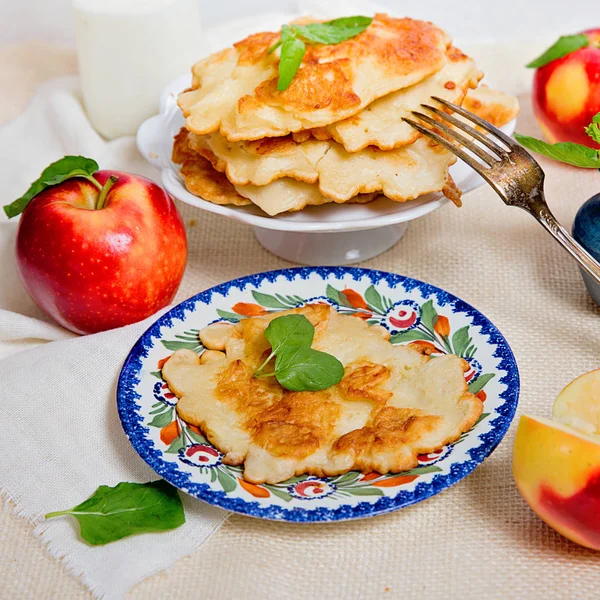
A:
(61, 436)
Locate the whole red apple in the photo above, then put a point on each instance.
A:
(94, 266)
(566, 94)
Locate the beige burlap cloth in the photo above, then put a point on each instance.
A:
(477, 539)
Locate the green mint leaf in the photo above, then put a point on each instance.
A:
(112, 513)
(290, 330)
(567, 152)
(57, 172)
(274, 47)
(297, 366)
(563, 46)
(292, 53)
(332, 32)
(593, 129)
(304, 369)
(287, 33)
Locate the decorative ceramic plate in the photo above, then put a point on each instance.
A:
(408, 308)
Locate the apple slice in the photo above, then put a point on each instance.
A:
(557, 471)
(578, 405)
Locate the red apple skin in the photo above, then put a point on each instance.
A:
(566, 94)
(93, 270)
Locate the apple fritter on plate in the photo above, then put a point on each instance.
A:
(235, 91)
(401, 174)
(392, 404)
(337, 132)
(380, 124)
(494, 106)
(282, 195)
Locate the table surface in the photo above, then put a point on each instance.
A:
(477, 539)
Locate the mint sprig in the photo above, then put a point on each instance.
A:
(304, 369)
(332, 32)
(577, 155)
(593, 129)
(298, 367)
(292, 53)
(57, 172)
(294, 38)
(565, 44)
(112, 513)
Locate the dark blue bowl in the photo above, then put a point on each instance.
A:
(586, 230)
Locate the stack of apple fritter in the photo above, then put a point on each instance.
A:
(336, 134)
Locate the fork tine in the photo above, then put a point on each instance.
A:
(479, 121)
(457, 151)
(461, 139)
(493, 146)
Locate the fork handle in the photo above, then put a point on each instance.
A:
(587, 262)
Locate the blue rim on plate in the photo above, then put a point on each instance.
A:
(136, 427)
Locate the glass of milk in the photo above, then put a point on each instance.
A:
(128, 51)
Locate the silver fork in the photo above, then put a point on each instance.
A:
(506, 166)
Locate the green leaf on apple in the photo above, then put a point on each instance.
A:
(59, 171)
(577, 155)
(566, 44)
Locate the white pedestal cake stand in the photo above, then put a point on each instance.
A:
(318, 235)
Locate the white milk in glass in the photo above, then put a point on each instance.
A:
(128, 51)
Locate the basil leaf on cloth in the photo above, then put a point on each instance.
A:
(112, 513)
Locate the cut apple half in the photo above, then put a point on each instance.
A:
(556, 466)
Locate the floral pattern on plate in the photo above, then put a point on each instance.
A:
(414, 312)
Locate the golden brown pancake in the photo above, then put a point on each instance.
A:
(392, 404)
(380, 124)
(235, 91)
(201, 179)
(499, 108)
(282, 195)
(337, 133)
(401, 174)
